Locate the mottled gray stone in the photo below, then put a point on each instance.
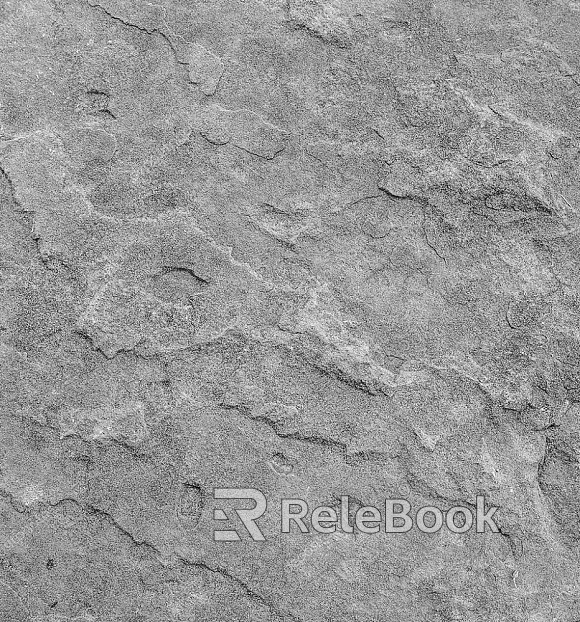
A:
(314, 248)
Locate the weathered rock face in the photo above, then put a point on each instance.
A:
(319, 249)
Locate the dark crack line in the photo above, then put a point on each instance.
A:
(429, 243)
(259, 155)
(351, 459)
(121, 20)
(365, 198)
(10, 185)
(26, 221)
(142, 29)
(93, 510)
(246, 589)
(253, 596)
(129, 351)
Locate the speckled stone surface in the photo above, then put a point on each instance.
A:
(313, 248)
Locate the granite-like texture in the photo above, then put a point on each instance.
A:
(315, 248)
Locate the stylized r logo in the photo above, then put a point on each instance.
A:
(248, 517)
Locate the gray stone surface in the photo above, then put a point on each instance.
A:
(318, 248)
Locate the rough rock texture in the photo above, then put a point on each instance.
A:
(318, 248)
